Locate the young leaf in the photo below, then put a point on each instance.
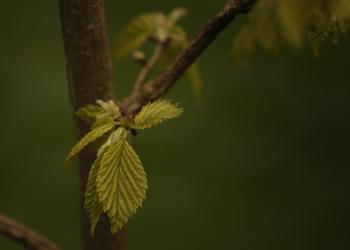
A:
(92, 203)
(332, 28)
(136, 33)
(157, 112)
(273, 24)
(89, 137)
(119, 134)
(110, 107)
(196, 80)
(121, 182)
(90, 112)
(159, 27)
(177, 14)
(101, 120)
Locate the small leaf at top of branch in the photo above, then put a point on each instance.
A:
(154, 26)
(164, 31)
(136, 33)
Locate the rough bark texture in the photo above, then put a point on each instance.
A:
(28, 238)
(90, 78)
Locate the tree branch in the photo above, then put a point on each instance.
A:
(160, 85)
(157, 53)
(28, 238)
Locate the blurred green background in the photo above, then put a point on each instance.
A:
(263, 165)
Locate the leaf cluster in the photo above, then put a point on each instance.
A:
(117, 181)
(273, 24)
(158, 27)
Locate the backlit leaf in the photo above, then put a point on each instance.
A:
(121, 182)
(110, 107)
(89, 137)
(137, 31)
(196, 80)
(92, 203)
(157, 112)
(274, 24)
(90, 112)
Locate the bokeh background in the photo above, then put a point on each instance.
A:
(264, 164)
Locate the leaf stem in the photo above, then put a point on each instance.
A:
(146, 69)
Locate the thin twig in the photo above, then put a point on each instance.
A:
(161, 84)
(28, 238)
(146, 69)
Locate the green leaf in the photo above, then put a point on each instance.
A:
(159, 27)
(154, 25)
(110, 107)
(102, 120)
(90, 112)
(332, 29)
(92, 203)
(136, 32)
(177, 14)
(100, 114)
(196, 80)
(157, 112)
(121, 182)
(89, 137)
(274, 24)
(119, 134)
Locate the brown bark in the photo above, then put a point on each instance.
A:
(89, 70)
(27, 237)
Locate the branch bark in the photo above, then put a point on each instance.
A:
(146, 69)
(89, 70)
(28, 238)
(160, 85)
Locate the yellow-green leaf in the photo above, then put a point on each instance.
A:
(92, 203)
(101, 120)
(196, 80)
(89, 137)
(177, 14)
(119, 134)
(110, 107)
(157, 112)
(154, 25)
(136, 32)
(121, 183)
(90, 112)
(273, 24)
